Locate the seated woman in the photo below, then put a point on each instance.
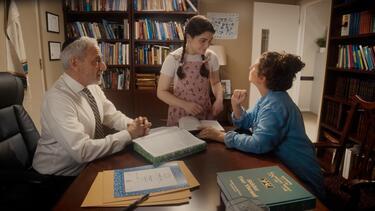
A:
(275, 122)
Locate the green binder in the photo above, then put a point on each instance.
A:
(269, 185)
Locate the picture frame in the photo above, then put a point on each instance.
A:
(227, 89)
(54, 49)
(52, 22)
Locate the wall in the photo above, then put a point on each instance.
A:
(239, 50)
(52, 69)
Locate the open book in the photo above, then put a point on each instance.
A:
(167, 143)
(191, 123)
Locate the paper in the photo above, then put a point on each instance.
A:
(225, 24)
(100, 193)
(190, 123)
(95, 195)
(148, 179)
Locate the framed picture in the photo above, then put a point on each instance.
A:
(54, 49)
(226, 88)
(52, 22)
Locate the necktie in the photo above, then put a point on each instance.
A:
(99, 132)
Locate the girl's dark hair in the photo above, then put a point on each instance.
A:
(279, 69)
(197, 25)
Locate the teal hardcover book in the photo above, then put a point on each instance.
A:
(168, 143)
(269, 185)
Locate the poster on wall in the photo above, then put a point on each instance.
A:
(225, 24)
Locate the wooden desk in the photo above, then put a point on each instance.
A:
(203, 165)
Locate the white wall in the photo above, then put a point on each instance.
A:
(316, 21)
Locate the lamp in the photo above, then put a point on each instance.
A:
(219, 50)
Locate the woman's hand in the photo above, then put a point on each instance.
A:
(217, 107)
(211, 134)
(193, 108)
(238, 97)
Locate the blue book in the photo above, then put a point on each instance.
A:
(270, 186)
(148, 175)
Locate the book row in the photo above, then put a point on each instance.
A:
(357, 23)
(115, 53)
(104, 30)
(96, 5)
(356, 56)
(160, 5)
(116, 79)
(335, 115)
(348, 87)
(152, 54)
(147, 29)
(332, 114)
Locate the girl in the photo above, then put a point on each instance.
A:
(192, 69)
(275, 121)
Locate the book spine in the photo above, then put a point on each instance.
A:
(180, 154)
(223, 189)
(170, 156)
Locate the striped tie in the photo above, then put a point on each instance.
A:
(99, 132)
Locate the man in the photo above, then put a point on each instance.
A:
(73, 112)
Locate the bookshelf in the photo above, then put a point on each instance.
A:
(142, 34)
(350, 67)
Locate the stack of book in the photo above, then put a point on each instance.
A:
(152, 54)
(266, 187)
(145, 81)
(167, 184)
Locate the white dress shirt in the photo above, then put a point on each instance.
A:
(68, 128)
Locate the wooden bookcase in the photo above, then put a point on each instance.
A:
(344, 76)
(133, 101)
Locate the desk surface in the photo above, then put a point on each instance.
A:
(203, 165)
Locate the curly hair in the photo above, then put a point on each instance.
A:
(197, 25)
(279, 69)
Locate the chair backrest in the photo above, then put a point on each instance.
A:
(18, 134)
(362, 114)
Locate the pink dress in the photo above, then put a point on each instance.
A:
(192, 88)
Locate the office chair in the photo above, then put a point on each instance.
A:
(20, 185)
(358, 191)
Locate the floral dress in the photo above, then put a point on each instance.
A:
(192, 88)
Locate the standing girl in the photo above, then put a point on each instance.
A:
(192, 69)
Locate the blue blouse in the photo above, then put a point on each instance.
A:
(277, 126)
